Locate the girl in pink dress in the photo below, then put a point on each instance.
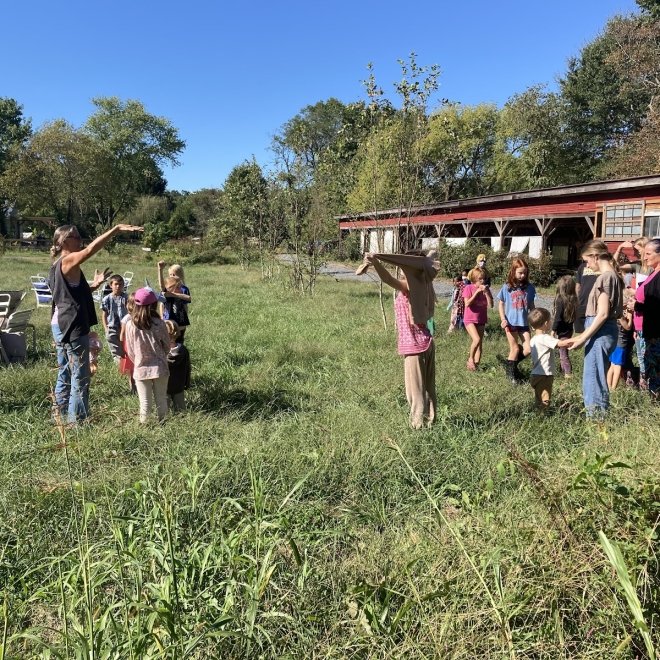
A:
(477, 298)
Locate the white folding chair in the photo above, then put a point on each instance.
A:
(13, 344)
(5, 302)
(128, 278)
(41, 290)
(5, 299)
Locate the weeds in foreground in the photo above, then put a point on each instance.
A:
(272, 521)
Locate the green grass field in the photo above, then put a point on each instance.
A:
(292, 512)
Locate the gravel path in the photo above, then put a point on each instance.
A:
(443, 288)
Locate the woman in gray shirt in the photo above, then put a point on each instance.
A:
(604, 307)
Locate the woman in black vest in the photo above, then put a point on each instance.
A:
(73, 314)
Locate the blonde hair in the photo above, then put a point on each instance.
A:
(476, 273)
(172, 281)
(130, 303)
(176, 270)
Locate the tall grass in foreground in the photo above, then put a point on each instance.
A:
(292, 513)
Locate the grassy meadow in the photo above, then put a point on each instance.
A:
(291, 512)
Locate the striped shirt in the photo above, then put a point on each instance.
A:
(412, 339)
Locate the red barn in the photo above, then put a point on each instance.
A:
(557, 219)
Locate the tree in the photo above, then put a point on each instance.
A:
(650, 7)
(532, 149)
(56, 173)
(390, 172)
(153, 214)
(458, 151)
(207, 208)
(246, 209)
(14, 132)
(312, 131)
(382, 179)
(602, 109)
(135, 145)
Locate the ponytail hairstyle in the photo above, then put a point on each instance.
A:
(594, 247)
(639, 246)
(511, 281)
(607, 256)
(566, 292)
(60, 235)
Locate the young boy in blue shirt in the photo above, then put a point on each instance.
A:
(114, 309)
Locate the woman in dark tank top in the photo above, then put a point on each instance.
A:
(73, 314)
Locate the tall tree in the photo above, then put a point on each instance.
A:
(55, 174)
(245, 196)
(532, 149)
(313, 131)
(14, 133)
(136, 144)
(602, 110)
(458, 151)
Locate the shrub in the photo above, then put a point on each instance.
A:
(455, 258)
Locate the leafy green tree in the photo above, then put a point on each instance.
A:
(532, 149)
(390, 171)
(56, 173)
(650, 7)
(312, 131)
(153, 214)
(458, 151)
(206, 208)
(246, 209)
(602, 109)
(135, 145)
(14, 133)
(14, 130)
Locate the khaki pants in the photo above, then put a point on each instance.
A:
(148, 390)
(542, 390)
(419, 372)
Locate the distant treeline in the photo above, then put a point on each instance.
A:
(334, 158)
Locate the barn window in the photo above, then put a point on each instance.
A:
(623, 221)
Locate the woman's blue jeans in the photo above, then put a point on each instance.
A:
(73, 377)
(597, 352)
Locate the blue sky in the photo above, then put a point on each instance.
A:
(228, 75)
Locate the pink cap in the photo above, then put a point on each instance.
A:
(145, 296)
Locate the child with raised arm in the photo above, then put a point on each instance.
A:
(515, 300)
(413, 308)
(113, 307)
(178, 360)
(477, 299)
(177, 296)
(543, 346)
(147, 345)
